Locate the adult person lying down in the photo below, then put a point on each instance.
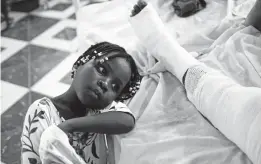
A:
(232, 108)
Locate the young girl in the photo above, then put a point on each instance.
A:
(103, 77)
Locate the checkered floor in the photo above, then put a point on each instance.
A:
(36, 57)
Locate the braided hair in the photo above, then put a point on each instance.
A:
(98, 51)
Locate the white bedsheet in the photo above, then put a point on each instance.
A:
(109, 20)
(169, 129)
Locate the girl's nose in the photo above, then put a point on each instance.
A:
(103, 85)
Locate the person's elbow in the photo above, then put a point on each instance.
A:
(128, 123)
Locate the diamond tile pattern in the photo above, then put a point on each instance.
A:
(66, 34)
(29, 27)
(60, 6)
(12, 122)
(30, 64)
(25, 64)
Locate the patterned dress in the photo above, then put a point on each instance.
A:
(42, 116)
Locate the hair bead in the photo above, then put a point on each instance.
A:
(102, 60)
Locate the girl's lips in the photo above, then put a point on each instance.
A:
(96, 92)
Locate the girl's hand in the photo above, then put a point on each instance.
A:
(138, 7)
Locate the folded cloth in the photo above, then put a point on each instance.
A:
(55, 148)
(184, 8)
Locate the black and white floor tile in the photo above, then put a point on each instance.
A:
(37, 53)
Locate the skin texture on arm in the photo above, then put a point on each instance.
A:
(105, 123)
(254, 17)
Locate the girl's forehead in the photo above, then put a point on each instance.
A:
(119, 63)
(120, 67)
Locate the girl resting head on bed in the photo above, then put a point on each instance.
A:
(103, 77)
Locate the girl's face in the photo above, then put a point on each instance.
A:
(98, 84)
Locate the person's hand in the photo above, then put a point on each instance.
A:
(141, 4)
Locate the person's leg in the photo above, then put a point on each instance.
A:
(233, 109)
(254, 17)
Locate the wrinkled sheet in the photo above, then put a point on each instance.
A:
(169, 129)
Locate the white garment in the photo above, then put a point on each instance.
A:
(55, 148)
(43, 142)
(233, 109)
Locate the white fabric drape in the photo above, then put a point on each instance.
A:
(234, 109)
(169, 129)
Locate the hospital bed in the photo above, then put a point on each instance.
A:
(168, 129)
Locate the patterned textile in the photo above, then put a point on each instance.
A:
(42, 114)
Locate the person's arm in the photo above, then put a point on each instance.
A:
(155, 37)
(254, 17)
(112, 122)
(232, 108)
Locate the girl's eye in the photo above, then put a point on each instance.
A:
(101, 69)
(115, 87)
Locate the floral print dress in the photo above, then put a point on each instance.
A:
(42, 116)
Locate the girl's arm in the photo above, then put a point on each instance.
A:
(155, 37)
(112, 122)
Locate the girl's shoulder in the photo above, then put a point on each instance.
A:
(44, 109)
(42, 104)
